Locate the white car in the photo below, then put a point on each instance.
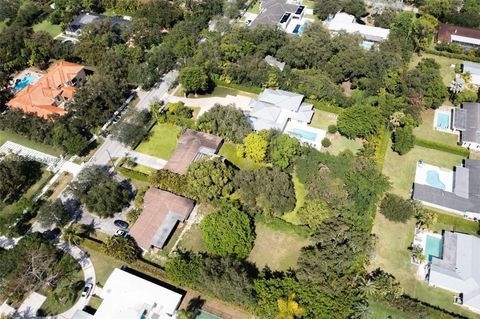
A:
(87, 290)
(121, 233)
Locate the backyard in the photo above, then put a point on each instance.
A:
(104, 265)
(427, 131)
(229, 151)
(300, 194)
(161, 141)
(47, 26)
(277, 248)
(377, 310)
(392, 255)
(401, 169)
(12, 137)
(445, 65)
(218, 91)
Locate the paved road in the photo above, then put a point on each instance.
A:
(109, 150)
(158, 92)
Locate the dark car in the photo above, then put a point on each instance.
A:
(121, 223)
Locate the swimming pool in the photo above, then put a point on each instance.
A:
(443, 121)
(433, 179)
(367, 45)
(311, 136)
(202, 314)
(433, 247)
(297, 28)
(24, 82)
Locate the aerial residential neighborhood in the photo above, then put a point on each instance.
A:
(240, 159)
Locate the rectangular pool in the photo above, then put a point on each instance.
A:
(433, 247)
(367, 45)
(443, 121)
(311, 136)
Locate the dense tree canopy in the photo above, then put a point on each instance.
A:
(359, 121)
(17, 175)
(54, 213)
(228, 231)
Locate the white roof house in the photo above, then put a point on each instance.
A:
(273, 109)
(128, 296)
(346, 22)
(474, 70)
(458, 269)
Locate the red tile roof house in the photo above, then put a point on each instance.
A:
(48, 95)
(162, 212)
(465, 37)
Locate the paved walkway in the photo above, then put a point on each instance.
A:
(30, 306)
(147, 160)
(205, 104)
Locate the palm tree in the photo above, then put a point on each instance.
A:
(289, 308)
(368, 286)
(362, 310)
(72, 234)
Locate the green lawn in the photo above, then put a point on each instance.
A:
(95, 302)
(451, 222)
(446, 70)
(143, 169)
(161, 141)
(392, 255)
(229, 151)
(47, 26)
(300, 194)
(276, 248)
(427, 131)
(401, 169)
(255, 7)
(192, 240)
(322, 119)
(377, 310)
(341, 143)
(218, 91)
(12, 137)
(104, 265)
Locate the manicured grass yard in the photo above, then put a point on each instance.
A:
(379, 310)
(255, 8)
(12, 137)
(300, 194)
(161, 141)
(322, 119)
(448, 221)
(192, 240)
(401, 169)
(391, 255)
(341, 143)
(218, 91)
(428, 132)
(229, 151)
(104, 265)
(47, 26)
(446, 70)
(276, 248)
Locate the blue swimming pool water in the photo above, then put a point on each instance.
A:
(367, 45)
(23, 83)
(443, 121)
(433, 247)
(206, 315)
(433, 179)
(305, 134)
(297, 27)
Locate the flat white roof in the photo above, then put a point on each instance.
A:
(128, 296)
(346, 22)
(459, 38)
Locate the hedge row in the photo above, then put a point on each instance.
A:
(453, 55)
(325, 107)
(132, 174)
(457, 150)
(382, 148)
(140, 265)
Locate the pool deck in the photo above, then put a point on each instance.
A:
(291, 126)
(22, 74)
(420, 240)
(445, 175)
(293, 24)
(447, 110)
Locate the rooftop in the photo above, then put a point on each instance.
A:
(128, 296)
(192, 146)
(272, 11)
(347, 22)
(84, 19)
(467, 120)
(453, 33)
(162, 211)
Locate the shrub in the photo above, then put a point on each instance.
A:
(122, 248)
(359, 121)
(397, 209)
(457, 150)
(132, 174)
(403, 140)
(326, 142)
(332, 129)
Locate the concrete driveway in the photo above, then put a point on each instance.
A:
(105, 225)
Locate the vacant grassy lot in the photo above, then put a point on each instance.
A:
(276, 248)
(161, 141)
(229, 151)
(428, 132)
(300, 194)
(377, 310)
(446, 70)
(401, 169)
(218, 91)
(12, 137)
(47, 26)
(104, 265)
(391, 255)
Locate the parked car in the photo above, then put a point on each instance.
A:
(121, 223)
(87, 290)
(121, 233)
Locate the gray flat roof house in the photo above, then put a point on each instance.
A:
(274, 62)
(467, 120)
(465, 197)
(75, 27)
(274, 108)
(458, 269)
(273, 12)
